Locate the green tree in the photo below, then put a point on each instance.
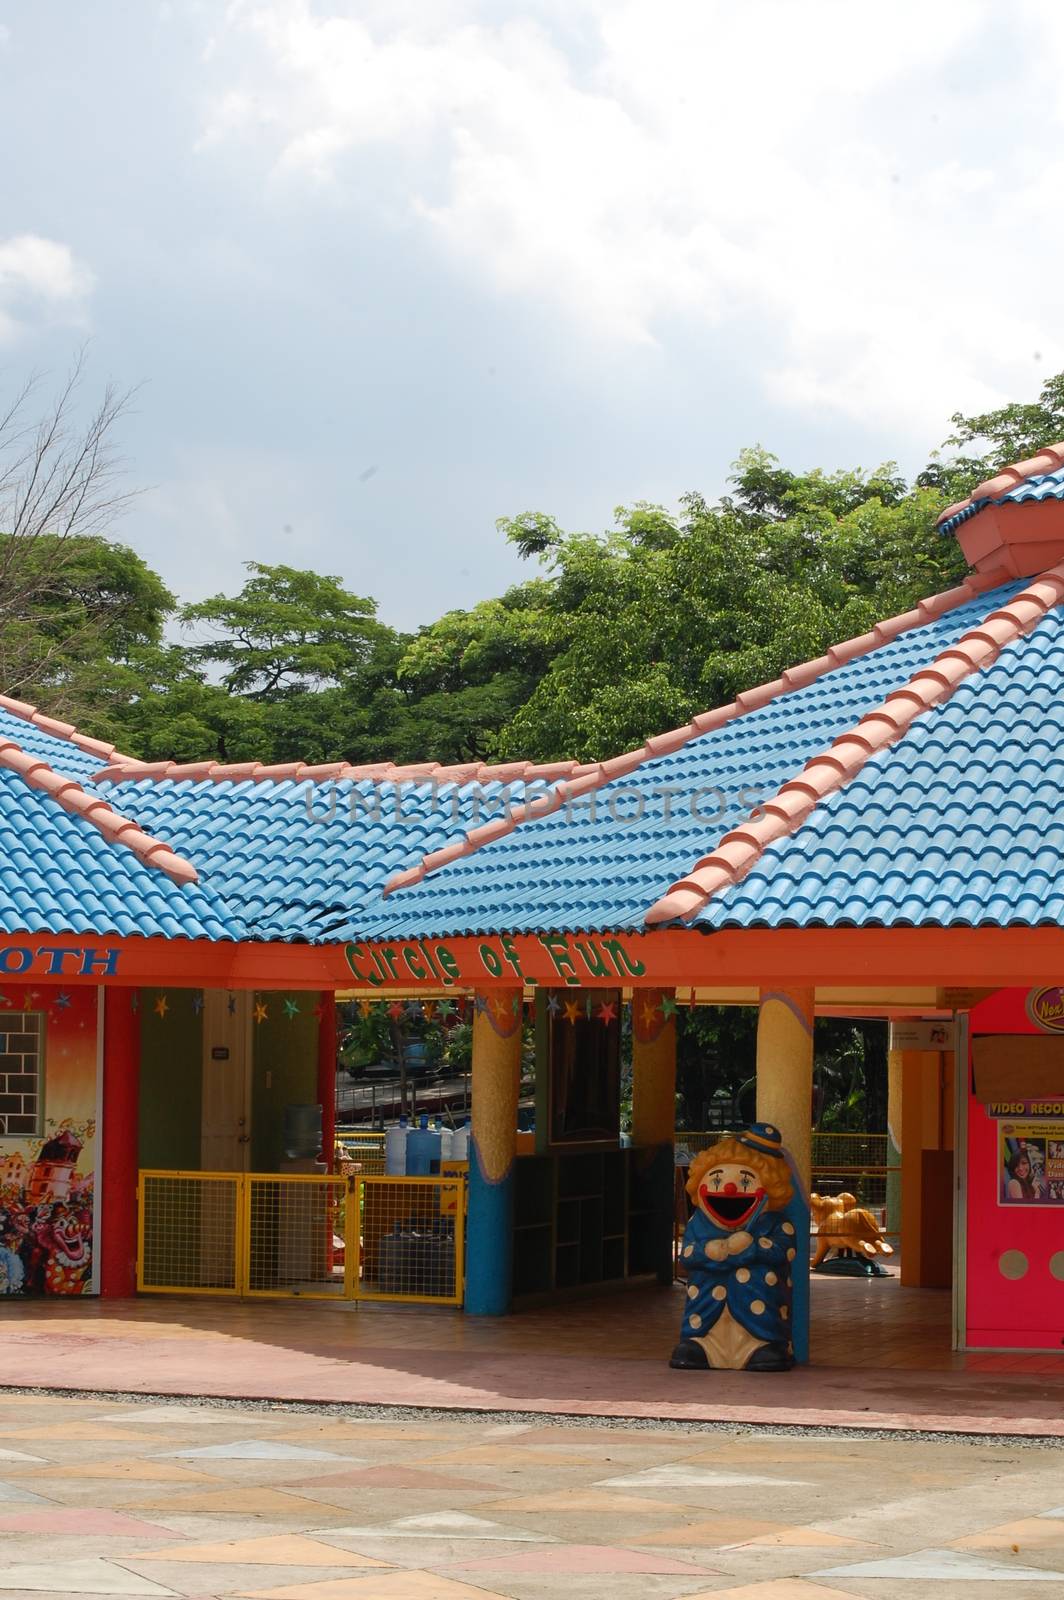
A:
(287, 632)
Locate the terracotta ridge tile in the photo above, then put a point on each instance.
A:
(69, 794)
(63, 730)
(878, 728)
(588, 778)
(1049, 459)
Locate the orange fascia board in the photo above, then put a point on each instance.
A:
(771, 957)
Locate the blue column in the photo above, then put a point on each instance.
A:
(492, 1151)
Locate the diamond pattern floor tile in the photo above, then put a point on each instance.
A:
(252, 1450)
(582, 1558)
(389, 1586)
(279, 1549)
(1038, 1531)
(14, 1494)
(71, 1519)
(443, 1525)
(93, 1575)
(236, 1502)
(684, 1477)
(722, 1533)
(956, 1565)
(131, 1467)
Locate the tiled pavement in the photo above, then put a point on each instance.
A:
(194, 1500)
(881, 1358)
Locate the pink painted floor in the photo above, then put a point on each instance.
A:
(881, 1359)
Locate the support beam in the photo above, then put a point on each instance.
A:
(119, 1138)
(653, 1066)
(785, 1071)
(894, 1142)
(493, 1150)
(327, 1076)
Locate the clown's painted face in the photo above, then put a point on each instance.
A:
(730, 1194)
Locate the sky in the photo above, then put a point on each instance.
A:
(385, 272)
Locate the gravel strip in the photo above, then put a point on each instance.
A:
(348, 1412)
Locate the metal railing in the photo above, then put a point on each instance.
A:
(302, 1235)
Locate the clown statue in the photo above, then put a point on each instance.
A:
(738, 1253)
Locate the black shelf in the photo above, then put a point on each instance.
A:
(591, 1217)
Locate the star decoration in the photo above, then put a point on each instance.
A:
(197, 1002)
(261, 1011)
(62, 1000)
(499, 1006)
(162, 1006)
(365, 1007)
(232, 1005)
(554, 1005)
(318, 1012)
(649, 1012)
(413, 1008)
(396, 1009)
(291, 1009)
(446, 1008)
(428, 1009)
(481, 1005)
(515, 1005)
(572, 1010)
(668, 1005)
(28, 999)
(607, 1011)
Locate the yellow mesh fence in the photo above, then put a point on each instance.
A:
(360, 1152)
(294, 1232)
(302, 1234)
(839, 1152)
(411, 1239)
(189, 1225)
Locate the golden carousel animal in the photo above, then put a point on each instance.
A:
(841, 1224)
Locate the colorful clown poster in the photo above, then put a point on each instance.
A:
(48, 1076)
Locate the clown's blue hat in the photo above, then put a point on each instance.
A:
(764, 1138)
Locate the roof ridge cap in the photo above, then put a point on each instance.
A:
(792, 678)
(68, 793)
(127, 769)
(883, 725)
(1049, 459)
(64, 730)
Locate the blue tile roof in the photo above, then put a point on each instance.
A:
(295, 860)
(60, 874)
(62, 754)
(1043, 486)
(594, 873)
(958, 824)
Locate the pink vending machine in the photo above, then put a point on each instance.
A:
(1013, 1204)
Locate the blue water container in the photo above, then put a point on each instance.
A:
(423, 1151)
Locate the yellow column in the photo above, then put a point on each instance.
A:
(785, 1070)
(894, 1141)
(496, 1085)
(653, 1066)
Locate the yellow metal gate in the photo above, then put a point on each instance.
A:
(306, 1235)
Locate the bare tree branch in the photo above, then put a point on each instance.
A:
(60, 484)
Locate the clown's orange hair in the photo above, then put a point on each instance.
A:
(773, 1172)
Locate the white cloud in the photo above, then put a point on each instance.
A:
(858, 192)
(39, 277)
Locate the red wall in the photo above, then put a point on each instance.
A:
(1008, 1313)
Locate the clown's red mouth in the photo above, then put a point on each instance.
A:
(729, 1210)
